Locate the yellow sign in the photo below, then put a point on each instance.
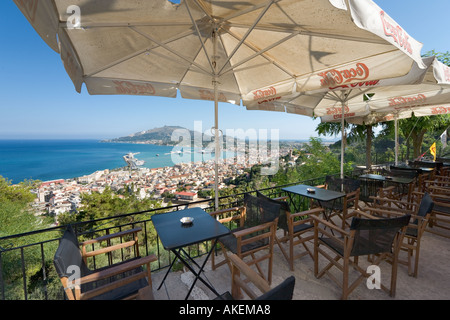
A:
(433, 150)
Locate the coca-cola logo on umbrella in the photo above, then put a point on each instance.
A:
(335, 77)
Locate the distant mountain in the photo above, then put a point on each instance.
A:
(159, 136)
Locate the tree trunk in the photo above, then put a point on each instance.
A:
(417, 138)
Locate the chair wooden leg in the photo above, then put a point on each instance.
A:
(291, 253)
(345, 279)
(288, 256)
(316, 251)
(394, 271)
(416, 262)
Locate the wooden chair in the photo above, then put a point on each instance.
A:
(402, 190)
(298, 229)
(439, 220)
(253, 238)
(420, 210)
(343, 207)
(367, 236)
(243, 278)
(118, 281)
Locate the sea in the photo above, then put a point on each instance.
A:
(47, 160)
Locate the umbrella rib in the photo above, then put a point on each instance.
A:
(202, 7)
(89, 25)
(360, 92)
(172, 51)
(199, 36)
(263, 55)
(247, 33)
(135, 54)
(259, 53)
(308, 33)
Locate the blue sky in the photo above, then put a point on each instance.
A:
(38, 100)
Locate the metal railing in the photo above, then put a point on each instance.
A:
(26, 260)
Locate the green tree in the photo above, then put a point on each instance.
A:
(97, 205)
(320, 161)
(355, 133)
(15, 214)
(443, 57)
(415, 129)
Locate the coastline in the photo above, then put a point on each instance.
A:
(52, 159)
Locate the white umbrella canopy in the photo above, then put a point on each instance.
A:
(429, 96)
(421, 91)
(222, 50)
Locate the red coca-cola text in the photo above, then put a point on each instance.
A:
(264, 93)
(127, 87)
(336, 77)
(401, 101)
(362, 84)
(337, 110)
(440, 110)
(396, 32)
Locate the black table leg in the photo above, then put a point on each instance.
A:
(197, 274)
(167, 273)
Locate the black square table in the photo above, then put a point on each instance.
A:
(368, 189)
(402, 180)
(319, 194)
(175, 236)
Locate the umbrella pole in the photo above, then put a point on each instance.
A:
(217, 145)
(216, 122)
(342, 139)
(396, 139)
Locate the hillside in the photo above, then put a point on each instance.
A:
(159, 136)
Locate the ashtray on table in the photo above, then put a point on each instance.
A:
(187, 221)
(310, 190)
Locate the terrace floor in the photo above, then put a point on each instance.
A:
(432, 283)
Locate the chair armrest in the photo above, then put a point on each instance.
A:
(364, 214)
(388, 211)
(281, 198)
(111, 236)
(223, 211)
(109, 248)
(318, 220)
(439, 177)
(399, 203)
(315, 211)
(251, 275)
(112, 271)
(247, 231)
(238, 216)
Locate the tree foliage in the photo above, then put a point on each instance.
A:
(98, 205)
(15, 214)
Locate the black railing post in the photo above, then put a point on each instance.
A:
(2, 283)
(24, 275)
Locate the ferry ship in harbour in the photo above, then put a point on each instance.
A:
(132, 162)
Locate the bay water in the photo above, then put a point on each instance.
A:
(65, 159)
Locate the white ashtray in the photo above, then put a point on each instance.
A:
(187, 220)
(311, 190)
